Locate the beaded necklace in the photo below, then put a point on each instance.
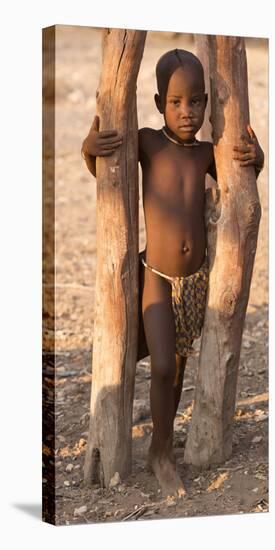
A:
(194, 143)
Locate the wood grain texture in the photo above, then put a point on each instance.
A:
(232, 241)
(116, 291)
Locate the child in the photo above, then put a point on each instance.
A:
(174, 165)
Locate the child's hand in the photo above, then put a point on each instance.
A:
(250, 152)
(101, 144)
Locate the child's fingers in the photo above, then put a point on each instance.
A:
(95, 124)
(242, 148)
(108, 146)
(110, 140)
(247, 163)
(107, 153)
(243, 156)
(108, 133)
(251, 132)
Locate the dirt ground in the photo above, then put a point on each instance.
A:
(241, 484)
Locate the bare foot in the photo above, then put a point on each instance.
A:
(165, 471)
(168, 452)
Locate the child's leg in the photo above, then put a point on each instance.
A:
(178, 382)
(160, 336)
(159, 328)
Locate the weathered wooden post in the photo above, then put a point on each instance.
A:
(232, 242)
(116, 290)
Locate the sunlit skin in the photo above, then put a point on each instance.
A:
(173, 184)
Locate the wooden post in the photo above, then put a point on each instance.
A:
(116, 290)
(232, 242)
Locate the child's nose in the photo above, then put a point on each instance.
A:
(186, 110)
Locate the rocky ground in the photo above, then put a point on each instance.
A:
(241, 484)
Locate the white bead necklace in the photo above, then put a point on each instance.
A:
(194, 143)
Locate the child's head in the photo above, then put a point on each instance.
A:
(181, 94)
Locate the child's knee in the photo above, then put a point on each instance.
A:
(163, 369)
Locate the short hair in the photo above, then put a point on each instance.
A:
(169, 63)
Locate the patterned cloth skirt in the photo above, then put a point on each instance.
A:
(188, 301)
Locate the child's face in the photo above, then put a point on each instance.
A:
(185, 103)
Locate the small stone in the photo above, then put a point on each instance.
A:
(255, 490)
(262, 417)
(171, 503)
(121, 488)
(115, 480)
(246, 344)
(257, 439)
(118, 511)
(67, 483)
(260, 476)
(69, 467)
(141, 410)
(80, 511)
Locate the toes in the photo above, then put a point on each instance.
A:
(181, 492)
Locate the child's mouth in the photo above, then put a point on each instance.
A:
(186, 127)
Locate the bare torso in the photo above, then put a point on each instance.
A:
(174, 201)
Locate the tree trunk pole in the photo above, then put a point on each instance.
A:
(116, 290)
(232, 241)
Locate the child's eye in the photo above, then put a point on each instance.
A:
(175, 102)
(196, 101)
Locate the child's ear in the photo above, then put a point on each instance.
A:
(158, 103)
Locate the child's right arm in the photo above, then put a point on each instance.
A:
(99, 144)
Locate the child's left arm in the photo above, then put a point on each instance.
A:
(250, 152)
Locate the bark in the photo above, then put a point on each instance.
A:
(116, 292)
(232, 241)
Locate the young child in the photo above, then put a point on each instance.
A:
(174, 165)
